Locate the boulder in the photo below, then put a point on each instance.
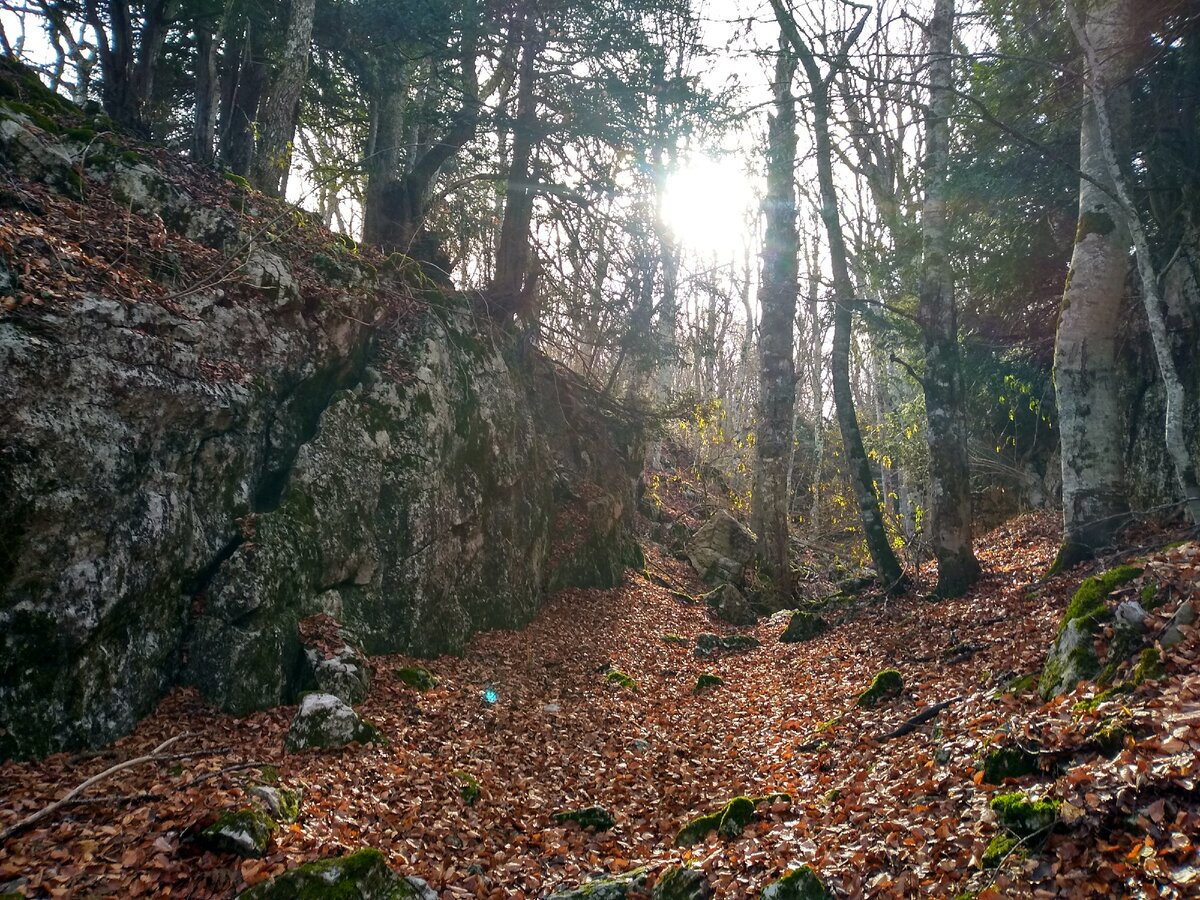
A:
(798, 884)
(610, 887)
(803, 626)
(596, 818)
(712, 644)
(1072, 659)
(721, 549)
(681, 883)
(335, 661)
(728, 605)
(246, 832)
(325, 721)
(363, 875)
(282, 805)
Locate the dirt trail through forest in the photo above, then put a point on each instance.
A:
(879, 818)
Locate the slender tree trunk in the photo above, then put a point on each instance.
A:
(279, 112)
(204, 122)
(1086, 372)
(946, 427)
(1176, 441)
(777, 299)
(861, 477)
(385, 151)
(244, 77)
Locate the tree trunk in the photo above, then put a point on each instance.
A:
(204, 122)
(279, 112)
(244, 77)
(385, 151)
(1176, 441)
(946, 427)
(1086, 373)
(777, 300)
(859, 466)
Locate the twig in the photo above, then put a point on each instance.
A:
(70, 799)
(919, 719)
(225, 771)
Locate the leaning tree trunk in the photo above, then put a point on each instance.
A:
(1086, 371)
(777, 300)
(1176, 399)
(279, 112)
(946, 427)
(861, 477)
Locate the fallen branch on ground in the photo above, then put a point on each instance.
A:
(919, 719)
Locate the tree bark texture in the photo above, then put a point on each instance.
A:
(946, 427)
(280, 109)
(1086, 370)
(777, 300)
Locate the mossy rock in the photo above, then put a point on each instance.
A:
(885, 686)
(363, 875)
(417, 676)
(1072, 659)
(1149, 666)
(1088, 604)
(803, 626)
(711, 644)
(675, 640)
(681, 883)
(998, 850)
(468, 787)
(1092, 704)
(728, 822)
(325, 722)
(1008, 762)
(799, 884)
(707, 680)
(246, 832)
(282, 805)
(612, 887)
(1112, 735)
(1022, 684)
(619, 679)
(595, 817)
(1022, 816)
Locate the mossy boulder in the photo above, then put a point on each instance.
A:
(1072, 657)
(324, 721)
(1149, 666)
(595, 817)
(1008, 762)
(803, 626)
(799, 884)
(1022, 816)
(728, 822)
(675, 640)
(681, 883)
(998, 850)
(728, 604)
(246, 832)
(417, 676)
(707, 680)
(363, 875)
(887, 685)
(345, 672)
(712, 644)
(282, 805)
(610, 887)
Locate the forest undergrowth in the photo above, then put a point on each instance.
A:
(875, 816)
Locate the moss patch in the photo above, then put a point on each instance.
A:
(468, 787)
(352, 877)
(707, 680)
(798, 884)
(246, 832)
(620, 679)
(417, 676)
(886, 685)
(680, 883)
(1008, 762)
(728, 822)
(803, 626)
(1094, 222)
(1022, 816)
(1149, 666)
(1111, 737)
(1088, 604)
(998, 850)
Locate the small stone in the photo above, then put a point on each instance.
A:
(417, 676)
(885, 686)
(803, 626)
(707, 680)
(681, 883)
(728, 822)
(1022, 816)
(595, 817)
(1008, 762)
(325, 721)
(639, 745)
(712, 644)
(618, 678)
(615, 887)
(246, 832)
(282, 805)
(357, 876)
(1184, 617)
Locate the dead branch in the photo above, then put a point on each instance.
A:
(919, 719)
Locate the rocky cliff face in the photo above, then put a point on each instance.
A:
(215, 420)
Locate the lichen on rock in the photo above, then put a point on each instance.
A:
(362, 875)
(324, 721)
(885, 685)
(246, 832)
(681, 883)
(801, 883)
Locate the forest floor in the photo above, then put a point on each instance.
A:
(875, 817)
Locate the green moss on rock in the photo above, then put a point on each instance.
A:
(675, 639)
(1111, 736)
(468, 787)
(363, 875)
(886, 685)
(1149, 666)
(618, 678)
(681, 883)
(799, 884)
(1023, 816)
(246, 832)
(803, 626)
(417, 676)
(594, 817)
(998, 850)
(707, 680)
(1008, 762)
(728, 822)
(1087, 605)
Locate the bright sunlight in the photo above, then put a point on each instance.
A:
(706, 205)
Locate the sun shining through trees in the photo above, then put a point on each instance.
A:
(706, 205)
